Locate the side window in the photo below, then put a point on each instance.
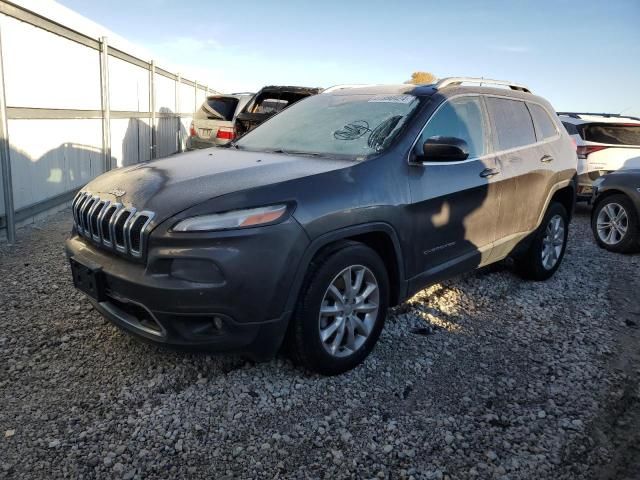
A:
(513, 124)
(544, 125)
(461, 118)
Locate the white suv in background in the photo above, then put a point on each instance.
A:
(214, 122)
(605, 142)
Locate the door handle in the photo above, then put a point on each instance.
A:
(547, 159)
(489, 172)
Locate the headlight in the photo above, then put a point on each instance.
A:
(251, 217)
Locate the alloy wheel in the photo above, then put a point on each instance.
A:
(612, 223)
(553, 242)
(349, 310)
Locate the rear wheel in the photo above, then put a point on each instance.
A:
(548, 245)
(615, 226)
(341, 310)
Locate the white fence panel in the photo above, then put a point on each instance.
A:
(43, 70)
(128, 86)
(187, 99)
(201, 96)
(53, 90)
(66, 155)
(165, 94)
(130, 141)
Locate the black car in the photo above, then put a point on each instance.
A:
(310, 226)
(267, 102)
(615, 218)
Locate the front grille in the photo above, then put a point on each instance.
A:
(111, 225)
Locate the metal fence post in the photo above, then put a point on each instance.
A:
(177, 111)
(195, 96)
(152, 108)
(106, 108)
(5, 159)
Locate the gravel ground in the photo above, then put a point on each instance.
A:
(483, 376)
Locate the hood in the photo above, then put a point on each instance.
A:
(172, 184)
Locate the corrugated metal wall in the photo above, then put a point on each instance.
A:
(52, 79)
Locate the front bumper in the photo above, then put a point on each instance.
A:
(220, 291)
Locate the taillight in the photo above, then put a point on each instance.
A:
(585, 150)
(192, 131)
(574, 143)
(226, 133)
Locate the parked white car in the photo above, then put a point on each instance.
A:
(604, 143)
(214, 122)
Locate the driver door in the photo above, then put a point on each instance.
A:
(455, 204)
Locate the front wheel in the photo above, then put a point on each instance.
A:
(341, 310)
(548, 245)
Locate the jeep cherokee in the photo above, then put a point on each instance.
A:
(309, 227)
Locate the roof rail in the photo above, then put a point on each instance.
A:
(346, 86)
(454, 81)
(606, 115)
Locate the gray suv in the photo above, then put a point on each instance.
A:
(304, 231)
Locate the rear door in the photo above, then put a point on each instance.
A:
(550, 158)
(455, 204)
(523, 176)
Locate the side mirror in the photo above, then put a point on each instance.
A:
(444, 149)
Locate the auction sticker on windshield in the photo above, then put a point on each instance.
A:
(392, 99)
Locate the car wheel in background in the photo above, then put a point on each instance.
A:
(341, 309)
(546, 251)
(614, 222)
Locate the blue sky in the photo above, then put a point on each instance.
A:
(580, 55)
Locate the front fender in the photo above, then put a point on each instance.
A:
(344, 234)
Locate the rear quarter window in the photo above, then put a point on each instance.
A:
(614, 134)
(544, 125)
(512, 122)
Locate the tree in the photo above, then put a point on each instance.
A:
(421, 78)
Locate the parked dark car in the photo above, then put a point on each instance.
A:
(267, 102)
(310, 226)
(615, 218)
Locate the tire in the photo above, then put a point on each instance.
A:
(543, 257)
(348, 340)
(623, 236)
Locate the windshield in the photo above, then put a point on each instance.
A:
(349, 125)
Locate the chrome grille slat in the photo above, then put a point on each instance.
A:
(107, 240)
(99, 216)
(84, 215)
(80, 208)
(126, 214)
(93, 216)
(147, 217)
(110, 224)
